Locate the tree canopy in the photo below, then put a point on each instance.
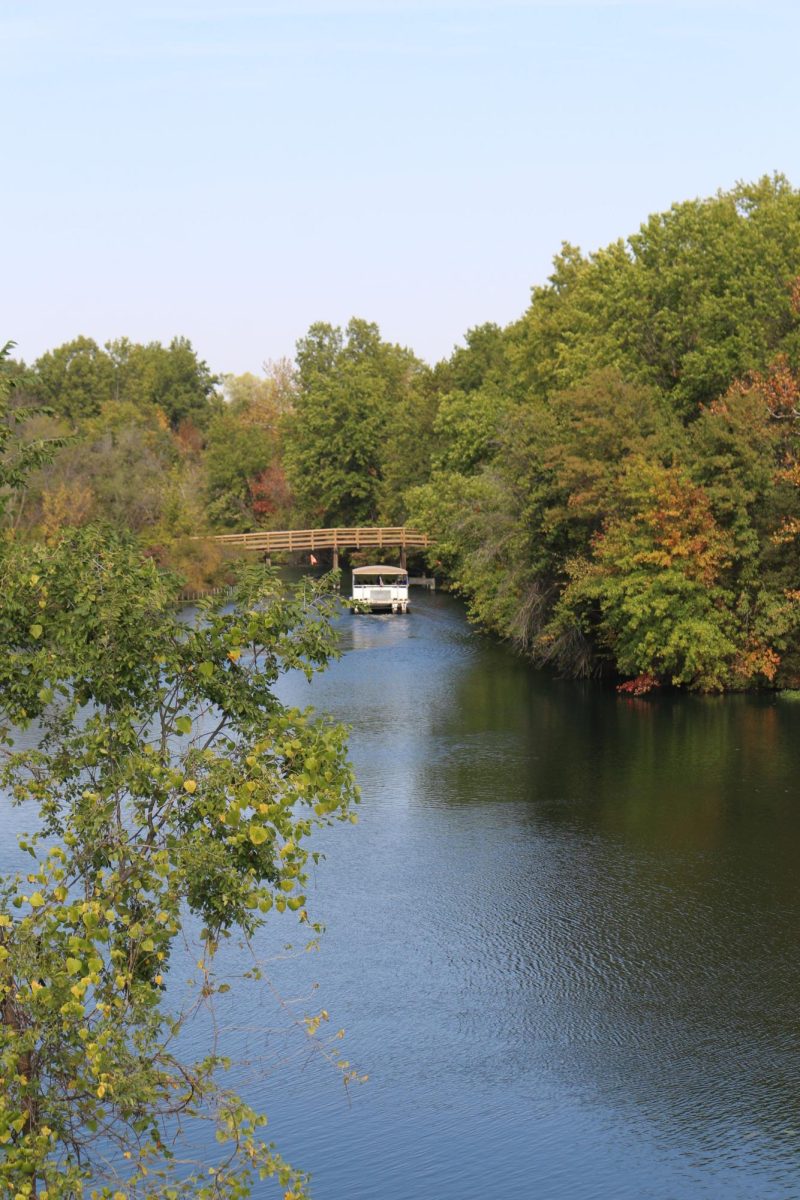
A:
(167, 781)
(79, 378)
(617, 490)
(351, 385)
(665, 363)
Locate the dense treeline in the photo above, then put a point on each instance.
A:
(618, 486)
(613, 480)
(153, 443)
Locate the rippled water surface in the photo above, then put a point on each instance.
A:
(562, 937)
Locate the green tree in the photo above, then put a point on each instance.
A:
(522, 488)
(79, 378)
(745, 450)
(76, 379)
(335, 440)
(700, 295)
(671, 355)
(467, 429)
(407, 447)
(652, 591)
(482, 360)
(19, 455)
(171, 378)
(167, 780)
(238, 454)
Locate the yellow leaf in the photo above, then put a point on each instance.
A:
(257, 834)
(36, 900)
(190, 786)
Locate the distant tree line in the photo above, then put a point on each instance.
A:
(612, 481)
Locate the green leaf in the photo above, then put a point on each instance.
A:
(128, 855)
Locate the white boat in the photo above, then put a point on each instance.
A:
(382, 588)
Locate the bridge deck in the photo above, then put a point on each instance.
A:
(325, 539)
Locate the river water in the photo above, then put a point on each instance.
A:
(562, 938)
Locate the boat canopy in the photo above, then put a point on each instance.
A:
(380, 570)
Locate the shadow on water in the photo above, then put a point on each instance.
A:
(564, 934)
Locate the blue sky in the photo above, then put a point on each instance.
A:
(233, 173)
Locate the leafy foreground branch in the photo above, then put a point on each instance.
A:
(170, 785)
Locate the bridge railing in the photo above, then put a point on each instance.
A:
(325, 539)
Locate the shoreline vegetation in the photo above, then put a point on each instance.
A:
(171, 800)
(612, 481)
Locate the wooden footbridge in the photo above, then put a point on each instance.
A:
(298, 540)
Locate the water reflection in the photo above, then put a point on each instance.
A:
(565, 931)
(562, 937)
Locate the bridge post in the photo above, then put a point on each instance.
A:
(336, 558)
(403, 563)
